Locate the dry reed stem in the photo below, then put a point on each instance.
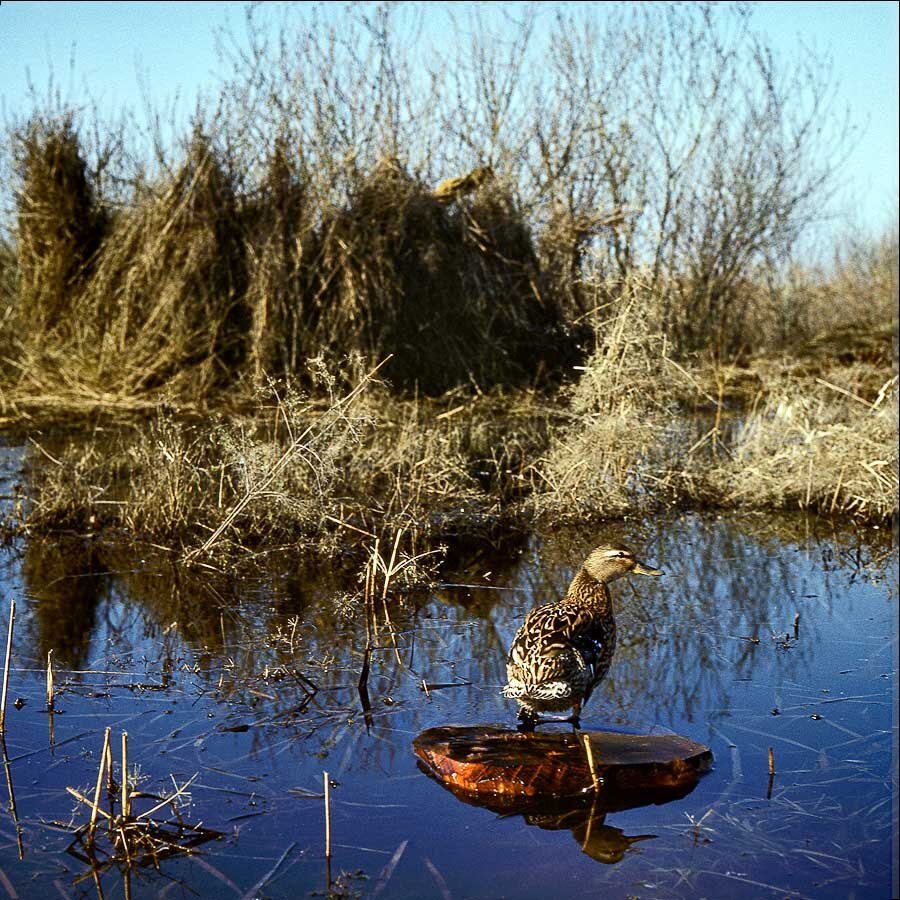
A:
(9, 637)
(126, 794)
(168, 800)
(95, 806)
(586, 743)
(110, 781)
(388, 573)
(50, 679)
(88, 802)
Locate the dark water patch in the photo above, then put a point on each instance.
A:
(251, 684)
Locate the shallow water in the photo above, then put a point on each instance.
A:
(251, 684)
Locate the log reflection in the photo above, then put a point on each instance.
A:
(554, 783)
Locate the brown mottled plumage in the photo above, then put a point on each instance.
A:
(564, 649)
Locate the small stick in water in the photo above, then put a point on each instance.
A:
(110, 782)
(327, 817)
(50, 680)
(327, 829)
(771, 761)
(12, 619)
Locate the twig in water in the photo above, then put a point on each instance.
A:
(327, 829)
(364, 672)
(257, 888)
(12, 619)
(388, 870)
(12, 798)
(50, 680)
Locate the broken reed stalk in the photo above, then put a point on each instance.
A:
(771, 774)
(368, 612)
(50, 680)
(110, 783)
(12, 619)
(95, 806)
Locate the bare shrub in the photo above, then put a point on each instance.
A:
(847, 310)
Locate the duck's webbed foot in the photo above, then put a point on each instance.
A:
(529, 719)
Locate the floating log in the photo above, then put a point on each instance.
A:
(504, 767)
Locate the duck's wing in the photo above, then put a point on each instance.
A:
(551, 630)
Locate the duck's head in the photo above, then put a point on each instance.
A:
(605, 564)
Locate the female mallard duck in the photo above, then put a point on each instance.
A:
(564, 649)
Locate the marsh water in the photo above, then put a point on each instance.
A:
(250, 684)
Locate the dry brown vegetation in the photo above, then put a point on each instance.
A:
(598, 314)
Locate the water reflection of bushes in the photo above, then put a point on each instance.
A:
(66, 582)
(295, 628)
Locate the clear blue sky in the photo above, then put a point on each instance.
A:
(170, 47)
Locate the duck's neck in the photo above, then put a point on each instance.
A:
(588, 592)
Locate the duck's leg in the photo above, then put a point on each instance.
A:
(575, 718)
(527, 719)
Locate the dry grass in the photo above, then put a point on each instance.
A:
(638, 431)
(617, 452)
(198, 288)
(60, 224)
(297, 470)
(162, 309)
(816, 443)
(645, 430)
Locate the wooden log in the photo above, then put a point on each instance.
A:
(505, 768)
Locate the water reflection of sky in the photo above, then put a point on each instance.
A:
(251, 682)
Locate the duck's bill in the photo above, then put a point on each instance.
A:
(641, 569)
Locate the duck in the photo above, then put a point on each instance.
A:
(563, 650)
